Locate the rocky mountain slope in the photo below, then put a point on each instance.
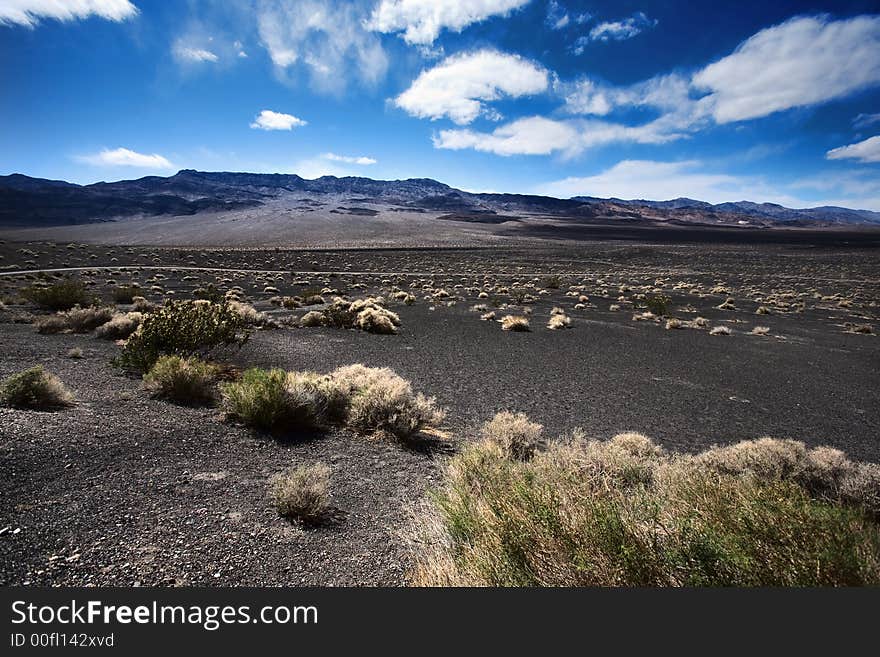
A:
(34, 202)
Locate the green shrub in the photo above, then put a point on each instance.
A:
(34, 388)
(182, 380)
(182, 328)
(59, 296)
(302, 492)
(273, 400)
(625, 513)
(125, 293)
(658, 304)
(553, 282)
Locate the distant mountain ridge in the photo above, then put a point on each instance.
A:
(27, 201)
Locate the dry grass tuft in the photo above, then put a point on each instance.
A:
(559, 321)
(181, 380)
(515, 323)
(302, 492)
(120, 326)
(513, 434)
(720, 330)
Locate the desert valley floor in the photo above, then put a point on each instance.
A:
(125, 489)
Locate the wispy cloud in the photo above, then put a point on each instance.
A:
(621, 30)
(349, 159)
(459, 86)
(864, 120)
(421, 21)
(123, 157)
(863, 151)
(269, 120)
(558, 17)
(30, 12)
(185, 53)
(327, 40)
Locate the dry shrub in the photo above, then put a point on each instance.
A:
(515, 323)
(120, 326)
(34, 388)
(75, 320)
(559, 321)
(760, 330)
(513, 434)
(625, 513)
(366, 399)
(674, 324)
(312, 318)
(720, 330)
(302, 492)
(250, 315)
(381, 402)
(182, 380)
(377, 320)
(489, 316)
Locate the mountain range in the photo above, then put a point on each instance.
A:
(27, 202)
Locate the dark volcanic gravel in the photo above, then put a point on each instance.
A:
(124, 489)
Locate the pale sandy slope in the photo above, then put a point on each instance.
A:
(281, 223)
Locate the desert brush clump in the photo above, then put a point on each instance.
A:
(513, 433)
(75, 320)
(719, 330)
(302, 492)
(63, 295)
(120, 326)
(626, 513)
(273, 400)
(365, 314)
(181, 380)
(559, 321)
(36, 389)
(368, 400)
(182, 328)
(381, 402)
(515, 323)
(125, 294)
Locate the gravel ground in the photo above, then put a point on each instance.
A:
(123, 489)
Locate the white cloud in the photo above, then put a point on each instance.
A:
(863, 151)
(269, 120)
(185, 53)
(804, 61)
(459, 85)
(558, 17)
(623, 29)
(328, 40)
(123, 157)
(348, 159)
(30, 12)
(422, 20)
(538, 135)
(645, 179)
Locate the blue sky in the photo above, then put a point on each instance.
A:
(766, 101)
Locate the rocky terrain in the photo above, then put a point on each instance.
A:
(122, 488)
